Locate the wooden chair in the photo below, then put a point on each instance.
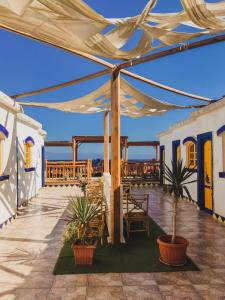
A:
(95, 193)
(136, 207)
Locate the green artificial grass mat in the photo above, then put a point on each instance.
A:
(138, 254)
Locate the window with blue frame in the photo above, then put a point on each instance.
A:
(221, 133)
(191, 152)
(28, 158)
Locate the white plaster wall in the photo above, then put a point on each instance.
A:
(19, 126)
(8, 196)
(204, 120)
(29, 182)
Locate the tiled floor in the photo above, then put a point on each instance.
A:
(29, 247)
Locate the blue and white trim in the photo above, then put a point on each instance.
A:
(220, 130)
(3, 132)
(189, 139)
(29, 140)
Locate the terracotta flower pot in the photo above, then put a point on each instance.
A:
(172, 254)
(83, 254)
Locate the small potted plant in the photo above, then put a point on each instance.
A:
(81, 211)
(173, 248)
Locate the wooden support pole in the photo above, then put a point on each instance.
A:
(126, 157)
(74, 157)
(74, 150)
(126, 150)
(116, 162)
(106, 142)
(156, 153)
(121, 151)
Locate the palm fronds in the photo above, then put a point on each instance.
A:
(80, 212)
(177, 178)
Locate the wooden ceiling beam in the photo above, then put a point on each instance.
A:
(58, 144)
(122, 66)
(165, 87)
(175, 50)
(143, 143)
(95, 139)
(63, 84)
(77, 52)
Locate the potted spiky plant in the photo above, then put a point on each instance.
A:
(173, 248)
(81, 211)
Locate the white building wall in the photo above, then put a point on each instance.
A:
(29, 182)
(8, 193)
(208, 119)
(19, 126)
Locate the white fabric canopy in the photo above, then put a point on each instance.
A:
(134, 103)
(73, 25)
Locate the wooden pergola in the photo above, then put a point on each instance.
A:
(154, 144)
(106, 139)
(116, 71)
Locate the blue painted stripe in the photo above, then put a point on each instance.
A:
(29, 139)
(29, 169)
(4, 131)
(201, 139)
(4, 177)
(175, 144)
(220, 130)
(221, 174)
(189, 139)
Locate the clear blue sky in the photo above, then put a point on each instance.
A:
(27, 65)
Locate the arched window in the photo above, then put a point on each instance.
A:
(3, 135)
(28, 144)
(191, 152)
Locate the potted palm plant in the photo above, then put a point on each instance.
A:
(81, 211)
(173, 248)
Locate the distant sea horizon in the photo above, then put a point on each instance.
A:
(99, 161)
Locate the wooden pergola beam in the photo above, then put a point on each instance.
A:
(104, 72)
(77, 52)
(178, 49)
(63, 84)
(74, 150)
(143, 144)
(58, 144)
(126, 150)
(95, 139)
(165, 87)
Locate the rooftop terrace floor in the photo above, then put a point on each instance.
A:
(29, 247)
